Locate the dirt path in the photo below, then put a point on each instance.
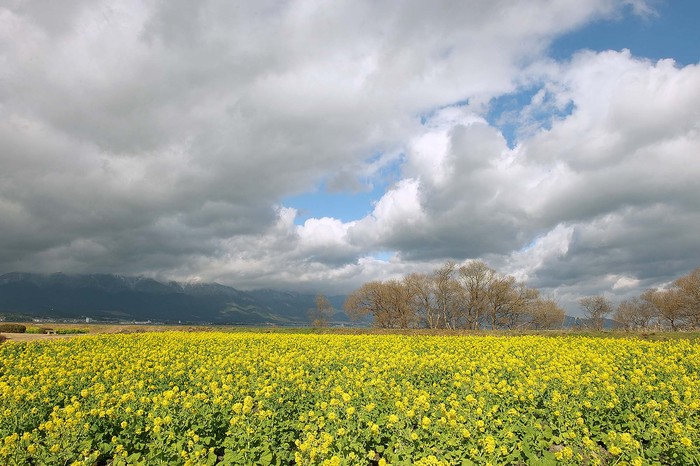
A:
(37, 336)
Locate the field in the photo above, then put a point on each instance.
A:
(290, 398)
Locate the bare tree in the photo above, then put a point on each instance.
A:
(501, 299)
(634, 313)
(474, 278)
(508, 301)
(399, 311)
(321, 315)
(389, 303)
(595, 308)
(545, 314)
(448, 295)
(669, 306)
(421, 289)
(689, 289)
(365, 300)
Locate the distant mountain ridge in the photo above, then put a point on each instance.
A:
(129, 298)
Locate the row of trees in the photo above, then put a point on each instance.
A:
(676, 307)
(470, 296)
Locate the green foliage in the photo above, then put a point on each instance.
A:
(36, 330)
(71, 331)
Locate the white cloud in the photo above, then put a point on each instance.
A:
(397, 211)
(325, 240)
(160, 138)
(622, 282)
(523, 264)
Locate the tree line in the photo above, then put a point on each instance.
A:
(470, 296)
(676, 307)
(474, 296)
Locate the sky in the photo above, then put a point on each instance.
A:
(315, 146)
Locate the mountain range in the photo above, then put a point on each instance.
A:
(107, 297)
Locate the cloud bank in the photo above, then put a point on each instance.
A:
(162, 138)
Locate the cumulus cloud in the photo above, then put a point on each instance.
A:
(161, 138)
(606, 191)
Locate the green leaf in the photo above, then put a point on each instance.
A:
(265, 459)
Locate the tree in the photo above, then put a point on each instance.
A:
(421, 290)
(689, 289)
(507, 301)
(595, 308)
(634, 313)
(365, 300)
(447, 295)
(321, 315)
(668, 304)
(399, 310)
(474, 279)
(545, 314)
(389, 303)
(500, 299)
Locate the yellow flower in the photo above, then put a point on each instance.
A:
(467, 386)
(489, 444)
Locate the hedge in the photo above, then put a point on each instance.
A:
(13, 328)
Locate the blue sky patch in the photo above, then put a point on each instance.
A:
(516, 116)
(383, 255)
(344, 206)
(673, 32)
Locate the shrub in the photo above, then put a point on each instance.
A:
(36, 330)
(13, 328)
(70, 331)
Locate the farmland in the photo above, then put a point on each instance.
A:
(285, 398)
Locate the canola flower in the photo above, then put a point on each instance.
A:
(286, 399)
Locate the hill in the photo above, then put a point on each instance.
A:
(107, 297)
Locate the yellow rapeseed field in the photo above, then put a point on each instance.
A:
(292, 399)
